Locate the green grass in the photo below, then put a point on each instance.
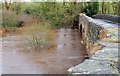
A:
(39, 36)
(9, 20)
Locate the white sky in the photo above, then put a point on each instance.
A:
(61, 0)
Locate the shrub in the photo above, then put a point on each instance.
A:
(10, 20)
(39, 36)
(37, 41)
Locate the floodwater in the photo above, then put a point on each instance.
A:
(68, 52)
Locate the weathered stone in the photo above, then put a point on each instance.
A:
(95, 29)
(94, 67)
(106, 54)
(113, 39)
(112, 18)
(109, 44)
(97, 32)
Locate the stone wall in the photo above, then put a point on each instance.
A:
(90, 31)
(107, 17)
(102, 41)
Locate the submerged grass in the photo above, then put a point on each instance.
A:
(39, 36)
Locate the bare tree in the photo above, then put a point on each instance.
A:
(7, 5)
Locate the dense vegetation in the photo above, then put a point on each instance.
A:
(62, 14)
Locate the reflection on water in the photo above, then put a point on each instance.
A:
(68, 52)
(0, 57)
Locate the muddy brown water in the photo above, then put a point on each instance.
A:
(68, 52)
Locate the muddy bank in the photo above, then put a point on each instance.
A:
(68, 52)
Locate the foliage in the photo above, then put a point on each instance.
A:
(58, 14)
(37, 41)
(10, 20)
(109, 8)
(91, 8)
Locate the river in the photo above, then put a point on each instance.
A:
(68, 52)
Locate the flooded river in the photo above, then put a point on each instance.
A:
(68, 52)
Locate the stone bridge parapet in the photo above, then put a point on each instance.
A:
(101, 38)
(113, 18)
(93, 30)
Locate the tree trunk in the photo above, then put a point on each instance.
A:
(118, 8)
(73, 15)
(57, 16)
(65, 16)
(108, 7)
(81, 7)
(102, 7)
(56, 12)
